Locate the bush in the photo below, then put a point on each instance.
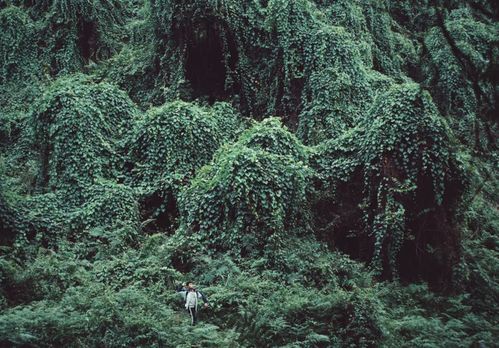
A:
(416, 316)
(267, 312)
(96, 315)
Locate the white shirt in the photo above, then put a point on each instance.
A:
(191, 300)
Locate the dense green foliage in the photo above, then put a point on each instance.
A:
(167, 147)
(409, 172)
(253, 194)
(326, 171)
(78, 128)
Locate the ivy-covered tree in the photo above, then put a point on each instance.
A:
(252, 196)
(324, 169)
(168, 145)
(411, 180)
(79, 127)
(17, 44)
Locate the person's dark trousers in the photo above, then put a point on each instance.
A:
(194, 315)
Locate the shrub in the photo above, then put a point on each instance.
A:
(96, 315)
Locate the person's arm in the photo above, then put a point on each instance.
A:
(204, 298)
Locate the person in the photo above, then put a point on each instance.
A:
(191, 296)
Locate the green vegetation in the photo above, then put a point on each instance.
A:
(166, 148)
(252, 195)
(78, 129)
(325, 170)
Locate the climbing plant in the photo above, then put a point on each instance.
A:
(409, 169)
(337, 101)
(79, 127)
(212, 50)
(325, 170)
(169, 144)
(8, 216)
(20, 77)
(17, 45)
(107, 220)
(100, 219)
(201, 40)
(73, 33)
(248, 197)
(461, 50)
(269, 135)
(309, 56)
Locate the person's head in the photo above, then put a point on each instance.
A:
(190, 285)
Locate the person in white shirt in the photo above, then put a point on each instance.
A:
(191, 296)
